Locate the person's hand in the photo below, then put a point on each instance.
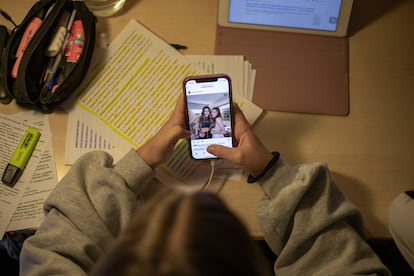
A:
(159, 148)
(250, 153)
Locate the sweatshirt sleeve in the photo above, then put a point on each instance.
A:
(84, 213)
(311, 226)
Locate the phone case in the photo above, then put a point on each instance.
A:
(36, 84)
(195, 125)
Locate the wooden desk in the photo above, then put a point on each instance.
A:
(369, 152)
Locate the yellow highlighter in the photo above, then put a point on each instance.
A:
(20, 157)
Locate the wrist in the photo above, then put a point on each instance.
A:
(273, 160)
(148, 156)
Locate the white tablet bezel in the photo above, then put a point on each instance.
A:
(341, 30)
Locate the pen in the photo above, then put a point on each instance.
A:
(20, 157)
(59, 57)
(178, 46)
(73, 53)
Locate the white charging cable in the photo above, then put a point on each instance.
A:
(210, 178)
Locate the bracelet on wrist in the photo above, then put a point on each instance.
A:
(272, 162)
(410, 193)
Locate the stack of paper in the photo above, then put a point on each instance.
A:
(21, 206)
(132, 89)
(239, 69)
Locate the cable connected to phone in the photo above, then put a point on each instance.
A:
(210, 178)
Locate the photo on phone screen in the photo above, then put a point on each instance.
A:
(209, 113)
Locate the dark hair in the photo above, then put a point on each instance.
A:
(202, 110)
(202, 118)
(184, 234)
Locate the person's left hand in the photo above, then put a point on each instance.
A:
(159, 148)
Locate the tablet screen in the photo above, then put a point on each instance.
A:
(304, 14)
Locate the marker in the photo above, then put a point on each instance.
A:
(20, 157)
(28, 34)
(59, 37)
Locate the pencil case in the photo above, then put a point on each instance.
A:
(47, 56)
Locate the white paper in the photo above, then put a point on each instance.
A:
(12, 131)
(29, 213)
(240, 71)
(87, 133)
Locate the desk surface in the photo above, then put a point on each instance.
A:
(369, 152)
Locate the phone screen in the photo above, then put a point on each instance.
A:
(209, 113)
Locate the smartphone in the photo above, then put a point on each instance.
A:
(209, 113)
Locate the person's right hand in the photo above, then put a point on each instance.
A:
(250, 153)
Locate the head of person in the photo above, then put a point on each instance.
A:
(215, 112)
(184, 234)
(206, 112)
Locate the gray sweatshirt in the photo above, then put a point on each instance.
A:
(305, 218)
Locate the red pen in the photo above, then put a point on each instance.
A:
(28, 34)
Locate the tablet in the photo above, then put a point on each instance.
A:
(320, 17)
